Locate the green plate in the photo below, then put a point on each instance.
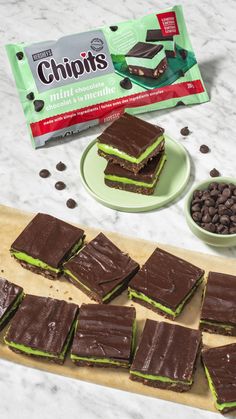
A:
(173, 180)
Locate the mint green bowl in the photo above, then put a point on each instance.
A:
(213, 239)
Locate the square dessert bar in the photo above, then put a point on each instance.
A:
(105, 336)
(220, 369)
(45, 244)
(143, 182)
(218, 313)
(131, 142)
(155, 36)
(166, 356)
(100, 269)
(148, 60)
(43, 328)
(11, 296)
(165, 283)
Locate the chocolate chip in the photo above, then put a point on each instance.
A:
(38, 105)
(20, 55)
(215, 219)
(226, 192)
(209, 202)
(44, 173)
(71, 203)
(225, 220)
(197, 193)
(113, 28)
(196, 208)
(214, 173)
(229, 203)
(30, 96)
(214, 193)
(183, 53)
(197, 216)
(222, 199)
(233, 218)
(61, 166)
(60, 185)
(233, 208)
(213, 186)
(212, 211)
(222, 186)
(206, 218)
(204, 149)
(180, 103)
(126, 83)
(181, 73)
(184, 131)
(232, 230)
(210, 227)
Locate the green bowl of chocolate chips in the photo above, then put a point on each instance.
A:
(210, 211)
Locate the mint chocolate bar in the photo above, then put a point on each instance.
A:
(104, 337)
(148, 60)
(100, 269)
(45, 244)
(143, 182)
(165, 283)
(11, 296)
(131, 142)
(42, 327)
(155, 35)
(166, 356)
(219, 309)
(220, 369)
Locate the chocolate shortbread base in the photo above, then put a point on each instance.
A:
(130, 188)
(132, 167)
(178, 387)
(149, 72)
(219, 330)
(151, 307)
(53, 360)
(37, 270)
(99, 364)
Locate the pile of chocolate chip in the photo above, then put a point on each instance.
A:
(214, 208)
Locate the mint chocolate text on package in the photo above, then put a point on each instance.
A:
(85, 79)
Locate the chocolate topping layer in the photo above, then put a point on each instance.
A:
(104, 332)
(147, 174)
(8, 293)
(166, 278)
(156, 35)
(47, 238)
(42, 323)
(130, 135)
(221, 365)
(144, 50)
(220, 299)
(167, 350)
(101, 266)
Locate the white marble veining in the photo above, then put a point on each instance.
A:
(211, 25)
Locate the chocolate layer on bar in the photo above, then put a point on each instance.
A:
(100, 269)
(104, 336)
(156, 35)
(11, 296)
(219, 309)
(166, 356)
(220, 369)
(42, 327)
(144, 50)
(165, 283)
(46, 243)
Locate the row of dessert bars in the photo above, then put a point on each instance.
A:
(104, 336)
(165, 283)
(135, 150)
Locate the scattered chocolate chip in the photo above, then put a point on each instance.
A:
(44, 173)
(197, 216)
(60, 185)
(38, 105)
(214, 173)
(113, 28)
(126, 83)
(184, 131)
(181, 73)
(61, 166)
(232, 230)
(183, 53)
(180, 103)
(30, 96)
(204, 149)
(20, 55)
(206, 218)
(71, 203)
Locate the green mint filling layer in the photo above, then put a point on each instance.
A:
(160, 378)
(151, 63)
(16, 303)
(37, 262)
(136, 182)
(107, 360)
(31, 351)
(141, 296)
(108, 149)
(226, 327)
(219, 406)
(105, 298)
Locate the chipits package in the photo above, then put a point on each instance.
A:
(81, 80)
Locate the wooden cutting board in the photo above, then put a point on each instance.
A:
(13, 221)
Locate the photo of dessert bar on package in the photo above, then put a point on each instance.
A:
(82, 80)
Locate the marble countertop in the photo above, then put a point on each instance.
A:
(212, 30)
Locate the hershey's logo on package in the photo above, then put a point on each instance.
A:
(71, 59)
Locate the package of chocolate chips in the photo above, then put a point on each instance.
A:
(88, 78)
